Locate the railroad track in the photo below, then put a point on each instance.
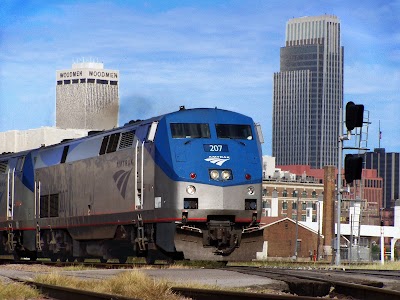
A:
(63, 293)
(302, 282)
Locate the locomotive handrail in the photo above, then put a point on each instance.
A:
(39, 187)
(12, 193)
(136, 175)
(139, 199)
(8, 193)
(141, 179)
(35, 199)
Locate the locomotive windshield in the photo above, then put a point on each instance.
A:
(234, 131)
(190, 130)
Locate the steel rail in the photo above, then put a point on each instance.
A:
(203, 294)
(64, 293)
(359, 291)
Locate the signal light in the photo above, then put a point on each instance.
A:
(352, 167)
(354, 115)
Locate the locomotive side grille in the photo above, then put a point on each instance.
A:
(126, 140)
(3, 166)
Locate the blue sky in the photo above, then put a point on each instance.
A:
(193, 53)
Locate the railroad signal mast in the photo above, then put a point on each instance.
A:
(358, 127)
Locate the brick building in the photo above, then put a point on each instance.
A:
(369, 190)
(281, 235)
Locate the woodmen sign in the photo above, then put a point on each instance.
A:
(87, 73)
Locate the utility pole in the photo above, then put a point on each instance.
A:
(339, 187)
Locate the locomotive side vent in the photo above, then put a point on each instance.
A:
(126, 140)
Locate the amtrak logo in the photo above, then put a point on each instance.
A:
(217, 160)
(121, 179)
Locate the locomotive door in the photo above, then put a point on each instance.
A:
(145, 169)
(139, 174)
(10, 194)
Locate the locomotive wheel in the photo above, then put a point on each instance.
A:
(16, 256)
(71, 258)
(122, 259)
(53, 258)
(150, 260)
(103, 260)
(80, 259)
(33, 256)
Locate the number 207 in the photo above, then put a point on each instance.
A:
(216, 148)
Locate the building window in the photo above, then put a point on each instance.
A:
(264, 192)
(67, 81)
(314, 194)
(304, 194)
(284, 205)
(303, 218)
(304, 205)
(294, 194)
(294, 217)
(284, 193)
(112, 82)
(59, 82)
(90, 81)
(294, 205)
(83, 80)
(102, 81)
(75, 80)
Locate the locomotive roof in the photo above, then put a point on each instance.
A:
(131, 124)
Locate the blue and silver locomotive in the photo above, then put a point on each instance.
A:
(184, 185)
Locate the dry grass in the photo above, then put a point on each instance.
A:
(17, 291)
(375, 266)
(321, 265)
(130, 284)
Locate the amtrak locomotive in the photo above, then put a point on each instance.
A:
(184, 185)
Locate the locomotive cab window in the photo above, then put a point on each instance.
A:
(234, 131)
(190, 130)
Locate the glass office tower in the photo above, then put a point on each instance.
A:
(308, 93)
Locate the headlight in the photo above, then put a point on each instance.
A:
(214, 174)
(250, 190)
(226, 175)
(190, 189)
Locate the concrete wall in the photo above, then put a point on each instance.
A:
(19, 140)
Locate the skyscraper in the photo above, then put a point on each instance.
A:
(87, 97)
(388, 166)
(308, 93)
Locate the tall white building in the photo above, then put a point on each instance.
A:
(308, 93)
(87, 97)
